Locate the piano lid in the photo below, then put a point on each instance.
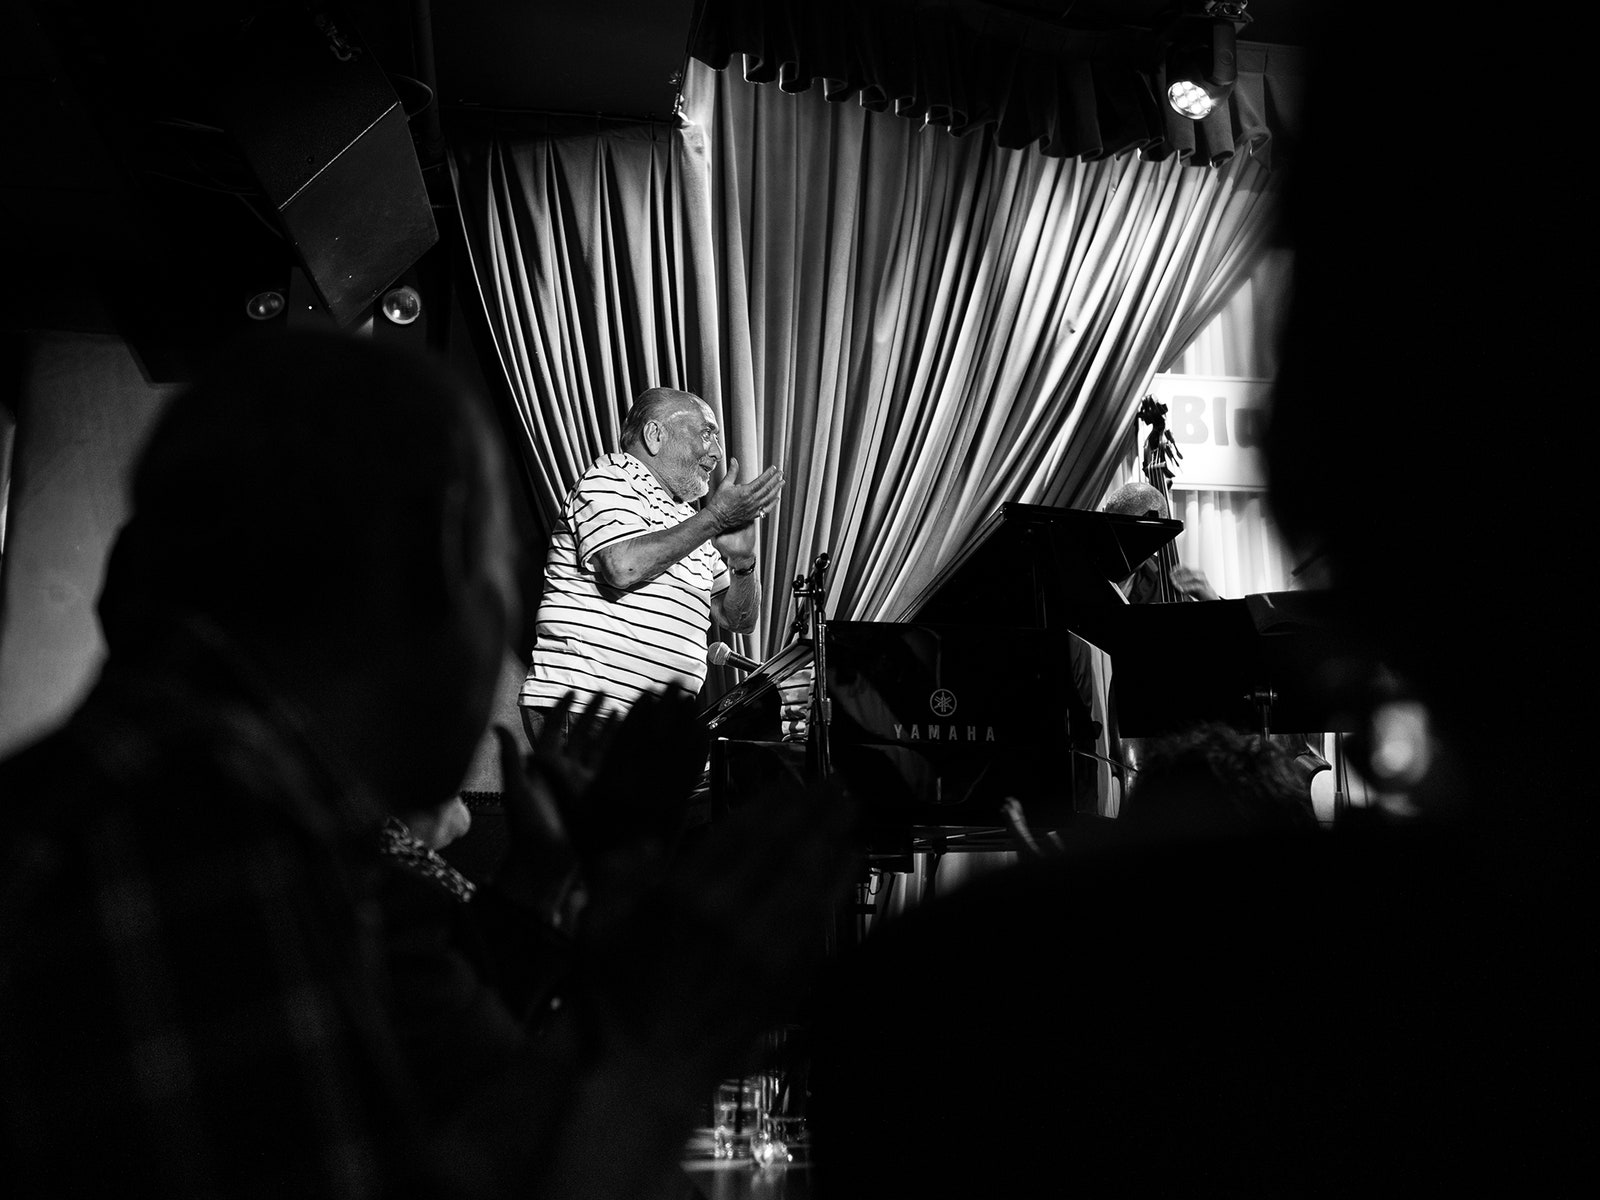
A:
(1034, 566)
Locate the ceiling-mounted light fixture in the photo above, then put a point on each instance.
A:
(1202, 55)
(402, 305)
(1202, 66)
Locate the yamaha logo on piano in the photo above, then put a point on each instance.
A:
(942, 702)
(943, 733)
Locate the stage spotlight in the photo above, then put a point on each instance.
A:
(402, 305)
(1201, 69)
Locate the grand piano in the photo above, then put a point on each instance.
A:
(997, 681)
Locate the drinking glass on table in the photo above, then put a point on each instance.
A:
(735, 1116)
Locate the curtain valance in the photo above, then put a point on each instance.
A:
(969, 66)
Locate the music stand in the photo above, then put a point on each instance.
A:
(738, 709)
(1259, 663)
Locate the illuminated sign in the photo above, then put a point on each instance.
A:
(1218, 424)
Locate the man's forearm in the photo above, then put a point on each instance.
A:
(740, 603)
(628, 564)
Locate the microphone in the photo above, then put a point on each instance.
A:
(720, 652)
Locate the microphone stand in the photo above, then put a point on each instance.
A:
(845, 925)
(814, 587)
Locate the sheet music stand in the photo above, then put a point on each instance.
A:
(1259, 663)
(754, 699)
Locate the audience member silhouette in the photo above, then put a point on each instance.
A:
(1208, 780)
(1213, 778)
(306, 616)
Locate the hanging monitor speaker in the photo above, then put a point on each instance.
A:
(327, 138)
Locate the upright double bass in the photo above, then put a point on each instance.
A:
(1160, 453)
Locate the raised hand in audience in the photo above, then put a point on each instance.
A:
(687, 950)
(541, 870)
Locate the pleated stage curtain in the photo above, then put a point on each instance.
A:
(589, 243)
(916, 327)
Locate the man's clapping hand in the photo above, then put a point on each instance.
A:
(736, 505)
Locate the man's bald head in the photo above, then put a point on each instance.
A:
(1135, 499)
(656, 404)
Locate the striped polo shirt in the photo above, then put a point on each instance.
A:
(592, 637)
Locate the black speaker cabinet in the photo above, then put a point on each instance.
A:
(327, 138)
